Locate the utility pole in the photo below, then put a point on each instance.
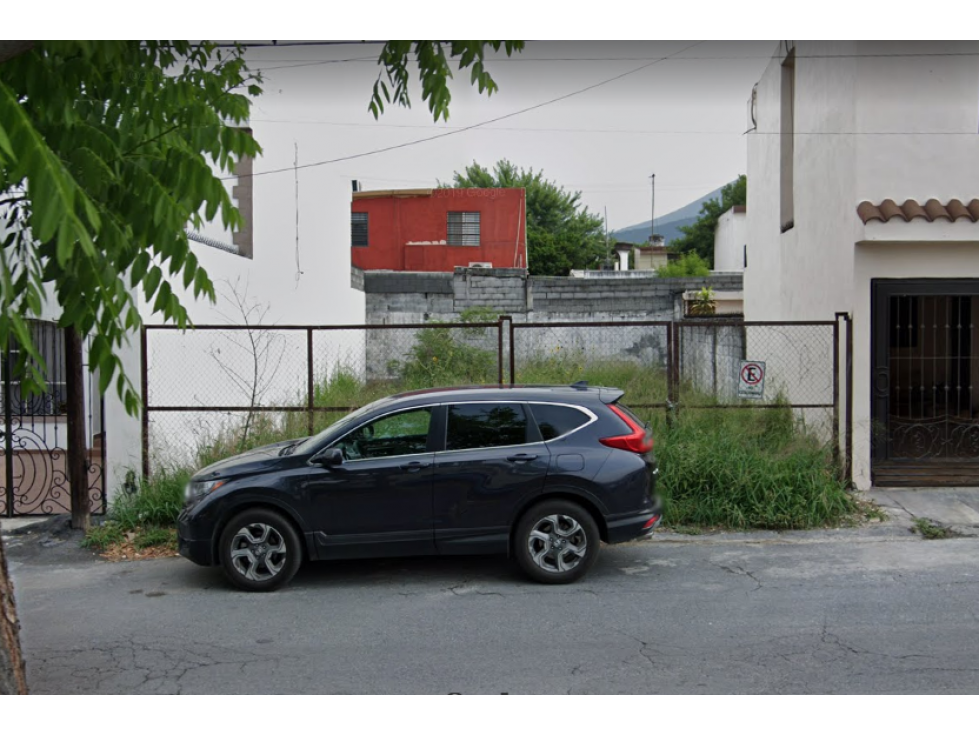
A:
(652, 214)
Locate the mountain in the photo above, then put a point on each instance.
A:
(668, 225)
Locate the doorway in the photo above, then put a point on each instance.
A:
(925, 382)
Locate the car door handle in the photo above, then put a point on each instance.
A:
(415, 465)
(522, 457)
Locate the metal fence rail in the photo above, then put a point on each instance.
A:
(238, 383)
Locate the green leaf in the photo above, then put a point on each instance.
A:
(138, 270)
(99, 350)
(105, 377)
(5, 146)
(152, 281)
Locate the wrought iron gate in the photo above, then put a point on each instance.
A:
(925, 427)
(34, 442)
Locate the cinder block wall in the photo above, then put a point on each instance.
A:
(404, 298)
(412, 298)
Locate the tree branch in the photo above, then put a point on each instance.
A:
(12, 49)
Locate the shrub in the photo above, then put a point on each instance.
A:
(690, 265)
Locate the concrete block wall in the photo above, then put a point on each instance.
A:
(710, 359)
(412, 298)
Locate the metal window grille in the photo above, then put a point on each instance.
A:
(463, 228)
(50, 342)
(358, 229)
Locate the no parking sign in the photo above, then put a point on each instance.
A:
(751, 380)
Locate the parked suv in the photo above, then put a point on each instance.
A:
(543, 474)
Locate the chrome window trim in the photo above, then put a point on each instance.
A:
(592, 418)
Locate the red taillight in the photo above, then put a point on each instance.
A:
(638, 441)
(652, 521)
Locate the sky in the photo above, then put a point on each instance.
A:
(682, 118)
(677, 109)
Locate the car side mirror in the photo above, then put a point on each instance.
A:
(328, 458)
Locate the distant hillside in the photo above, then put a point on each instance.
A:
(668, 225)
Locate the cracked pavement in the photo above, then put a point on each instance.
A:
(820, 612)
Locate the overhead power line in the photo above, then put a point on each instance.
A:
(478, 124)
(611, 131)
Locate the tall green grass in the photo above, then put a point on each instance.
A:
(149, 513)
(747, 468)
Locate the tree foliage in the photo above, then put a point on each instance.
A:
(434, 71)
(106, 155)
(109, 151)
(699, 237)
(690, 265)
(561, 233)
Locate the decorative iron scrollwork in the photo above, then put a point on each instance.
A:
(937, 438)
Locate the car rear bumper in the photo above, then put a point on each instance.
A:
(634, 526)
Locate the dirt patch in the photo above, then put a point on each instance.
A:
(127, 551)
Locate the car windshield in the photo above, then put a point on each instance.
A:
(336, 428)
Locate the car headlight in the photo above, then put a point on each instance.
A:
(198, 489)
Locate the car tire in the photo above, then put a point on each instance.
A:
(259, 550)
(556, 542)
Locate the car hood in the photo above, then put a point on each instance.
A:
(258, 459)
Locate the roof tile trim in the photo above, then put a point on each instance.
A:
(932, 210)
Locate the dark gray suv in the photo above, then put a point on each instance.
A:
(543, 474)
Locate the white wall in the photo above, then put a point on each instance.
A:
(868, 127)
(730, 238)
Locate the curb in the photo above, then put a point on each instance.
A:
(56, 525)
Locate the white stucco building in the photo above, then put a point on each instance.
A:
(731, 240)
(863, 170)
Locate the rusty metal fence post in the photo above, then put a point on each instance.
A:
(836, 396)
(848, 415)
(499, 347)
(144, 395)
(672, 373)
(513, 351)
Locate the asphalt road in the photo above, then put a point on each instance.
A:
(824, 612)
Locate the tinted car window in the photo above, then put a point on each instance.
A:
(483, 425)
(556, 420)
(397, 434)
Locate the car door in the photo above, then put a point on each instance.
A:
(378, 501)
(492, 460)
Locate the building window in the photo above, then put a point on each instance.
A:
(358, 229)
(50, 342)
(787, 143)
(463, 228)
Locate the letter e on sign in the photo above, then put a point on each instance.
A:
(751, 380)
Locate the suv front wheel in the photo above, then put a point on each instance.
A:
(259, 550)
(556, 542)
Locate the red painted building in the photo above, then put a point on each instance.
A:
(437, 230)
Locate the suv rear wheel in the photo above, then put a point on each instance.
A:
(556, 542)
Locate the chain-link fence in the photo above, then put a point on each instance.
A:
(218, 390)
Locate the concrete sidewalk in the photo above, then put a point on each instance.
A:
(956, 509)
(33, 524)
